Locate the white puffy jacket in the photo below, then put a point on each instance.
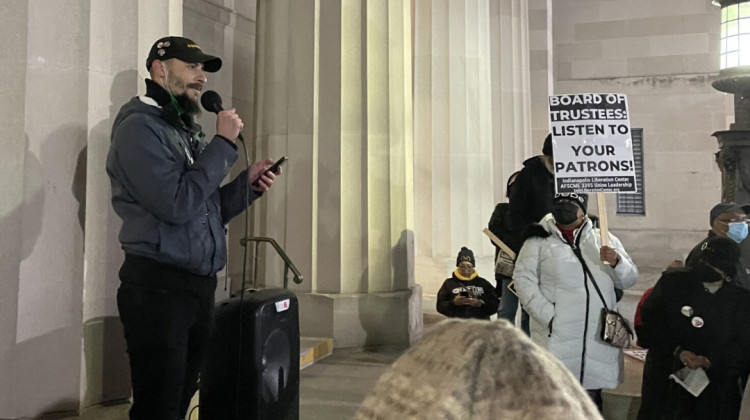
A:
(549, 280)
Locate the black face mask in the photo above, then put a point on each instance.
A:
(564, 212)
(707, 274)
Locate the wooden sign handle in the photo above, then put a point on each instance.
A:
(603, 227)
(499, 243)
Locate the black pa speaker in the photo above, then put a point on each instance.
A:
(252, 371)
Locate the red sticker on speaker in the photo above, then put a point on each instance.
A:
(282, 305)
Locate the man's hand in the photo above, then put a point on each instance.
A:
(609, 255)
(229, 124)
(259, 177)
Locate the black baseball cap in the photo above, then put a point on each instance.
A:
(182, 49)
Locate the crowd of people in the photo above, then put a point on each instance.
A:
(167, 188)
(566, 276)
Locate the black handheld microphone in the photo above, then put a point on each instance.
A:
(211, 101)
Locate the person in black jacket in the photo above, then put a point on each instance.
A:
(465, 294)
(699, 319)
(728, 220)
(530, 198)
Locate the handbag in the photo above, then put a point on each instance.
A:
(613, 327)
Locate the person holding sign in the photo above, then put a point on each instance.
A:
(561, 297)
(529, 198)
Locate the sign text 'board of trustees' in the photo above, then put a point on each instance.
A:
(591, 143)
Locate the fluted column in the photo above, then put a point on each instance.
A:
(511, 90)
(73, 63)
(13, 26)
(334, 94)
(471, 121)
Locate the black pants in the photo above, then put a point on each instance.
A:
(509, 303)
(168, 317)
(596, 397)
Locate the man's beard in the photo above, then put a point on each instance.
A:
(188, 105)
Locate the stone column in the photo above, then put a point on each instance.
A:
(511, 89)
(16, 163)
(541, 68)
(113, 78)
(472, 122)
(50, 267)
(334, 94)
(73, 64)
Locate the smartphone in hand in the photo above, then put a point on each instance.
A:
(273, 168)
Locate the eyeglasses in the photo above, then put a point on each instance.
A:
(571, 195)
(726, 222)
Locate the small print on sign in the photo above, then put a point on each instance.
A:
(282, 305)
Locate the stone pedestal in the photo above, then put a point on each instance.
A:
(733, 158)
(363, 319)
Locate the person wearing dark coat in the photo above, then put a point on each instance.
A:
(699, 319)
(465, 294)
(531, 196)
(728, 220)
(530, 199)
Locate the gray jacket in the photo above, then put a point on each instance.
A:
(166, 188)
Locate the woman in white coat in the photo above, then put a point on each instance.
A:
(562, 301)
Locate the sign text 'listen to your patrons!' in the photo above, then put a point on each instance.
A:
(591, 143)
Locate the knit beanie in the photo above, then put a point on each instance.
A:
(465, 254)
(722, 253)
(547, 147)
(579, 198)
(477, 370)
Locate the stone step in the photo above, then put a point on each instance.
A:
(313, 349)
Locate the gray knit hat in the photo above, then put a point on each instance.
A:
(477, 370)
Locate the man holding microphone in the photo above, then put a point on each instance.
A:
(166, 187)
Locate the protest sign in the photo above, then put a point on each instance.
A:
(591, 143)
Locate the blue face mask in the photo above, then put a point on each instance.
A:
(737, 231)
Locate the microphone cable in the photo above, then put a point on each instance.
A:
(242, 288)
(212, 102)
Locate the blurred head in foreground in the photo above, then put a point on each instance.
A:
(476, 370)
